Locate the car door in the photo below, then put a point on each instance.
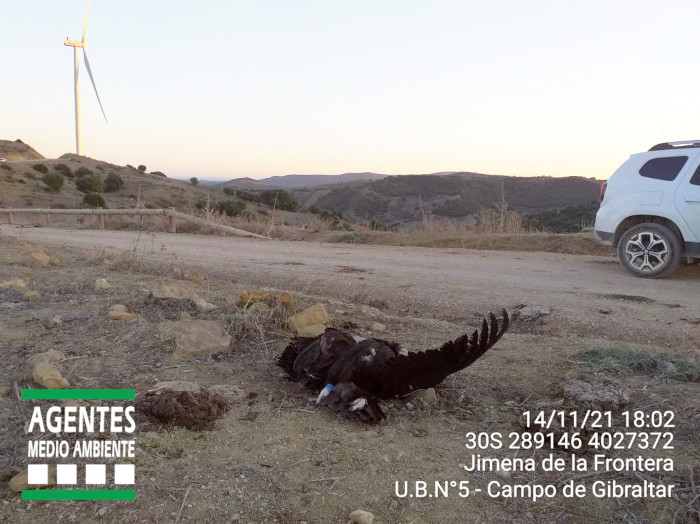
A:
(688, 201)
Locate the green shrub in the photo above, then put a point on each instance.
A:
(194, 181)
(231, 191)
(113, 183)
(94, 200)
(83, 171)
(142, 168)
(231, 208)
(90, 183)
(354, 238)
(64, 170)
(41, 168)
(53, 181)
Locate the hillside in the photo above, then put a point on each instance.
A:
(298, 181)
(403, 199)
(17, 150)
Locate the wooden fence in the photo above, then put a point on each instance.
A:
(172, 216)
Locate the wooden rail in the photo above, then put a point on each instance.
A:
(172, 215)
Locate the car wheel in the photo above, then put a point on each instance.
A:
(649, 250)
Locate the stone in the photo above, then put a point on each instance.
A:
(47, 375)
(39, 260)
(361, 517)
(5, 391)
(121, 312)
(50, 356)
(101, 283)
(125, 257)
(30, 295)
(312, 320)
(198, 337)
(230, 393)
(20, 482)
(17, 284)
(203, 305)
(251, 296)
(426, 395)
(377, 327)
(530, 312)
(185, 316)
(599, 395)
(54, 261)
(173, 290)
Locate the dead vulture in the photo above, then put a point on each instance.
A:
(355, 375)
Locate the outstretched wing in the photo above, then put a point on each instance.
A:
(403, 374)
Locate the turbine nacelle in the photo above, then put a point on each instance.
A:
(73, 43)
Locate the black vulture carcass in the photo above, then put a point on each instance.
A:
(353, 376)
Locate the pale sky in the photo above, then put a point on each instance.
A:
(258, 88)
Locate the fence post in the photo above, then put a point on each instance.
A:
(100, 221)
(10, 218)
(172, 222)
(47, 220)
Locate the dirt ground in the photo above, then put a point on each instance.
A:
(273, 457)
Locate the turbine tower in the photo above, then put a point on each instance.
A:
(76, 72)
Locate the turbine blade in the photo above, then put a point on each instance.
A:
(87, 65)
(86, 18)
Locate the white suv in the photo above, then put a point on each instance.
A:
(650, 209)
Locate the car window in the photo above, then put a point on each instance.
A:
(695, 180)
(665, 168)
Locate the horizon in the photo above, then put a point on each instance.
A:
(542, 89)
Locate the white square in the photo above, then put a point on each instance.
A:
(66, 474)
(95, 474)
(124, 473)
(38, 474)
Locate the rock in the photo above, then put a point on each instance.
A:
(39, 260)
(309, 323)
(426, 395)
(47, 375)
(230, 393)
(50, 356)
(605, 311)
(5, 391)
(600, 395)
(30, 295)
(56, 320)
(101, 283)
(203, 305)
(258, 308)
(54, 261)
(529, 312)
(125, 257)
(361, 517)
(198, 337)
(251, 296)
(185, 316)
(378, 327)
(17, 284)
(121, 312)
(370, 311)
(20, 481)
(173, 290)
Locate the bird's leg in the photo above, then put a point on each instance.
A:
(358, 403)
(324, 392)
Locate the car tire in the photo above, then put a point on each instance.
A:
(649, 250)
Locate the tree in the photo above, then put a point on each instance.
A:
(113, 183)
(94, 200)
(194, 181)
(53, 181)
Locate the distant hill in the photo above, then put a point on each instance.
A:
(298, 181)
(17, 150)
(404, 199)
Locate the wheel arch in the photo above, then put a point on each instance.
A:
(632, 221)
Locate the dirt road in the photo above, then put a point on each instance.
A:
(587, 294)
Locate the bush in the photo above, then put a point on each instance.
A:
(7, 167)
(90, 183)
(231, 191)
(194, 181)
(142, 168)
(83, 171)
(64, 170)
(94, 200)
(113, 183)
(53, 181)
(354, 238)
(158, 173)
(231, 208)
(41, 168)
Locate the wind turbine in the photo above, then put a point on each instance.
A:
(76, 72)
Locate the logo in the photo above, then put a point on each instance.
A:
(93, 446)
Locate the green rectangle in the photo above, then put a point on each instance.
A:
(78, 494)
(80, 394)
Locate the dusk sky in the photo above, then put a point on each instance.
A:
(259, 88)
